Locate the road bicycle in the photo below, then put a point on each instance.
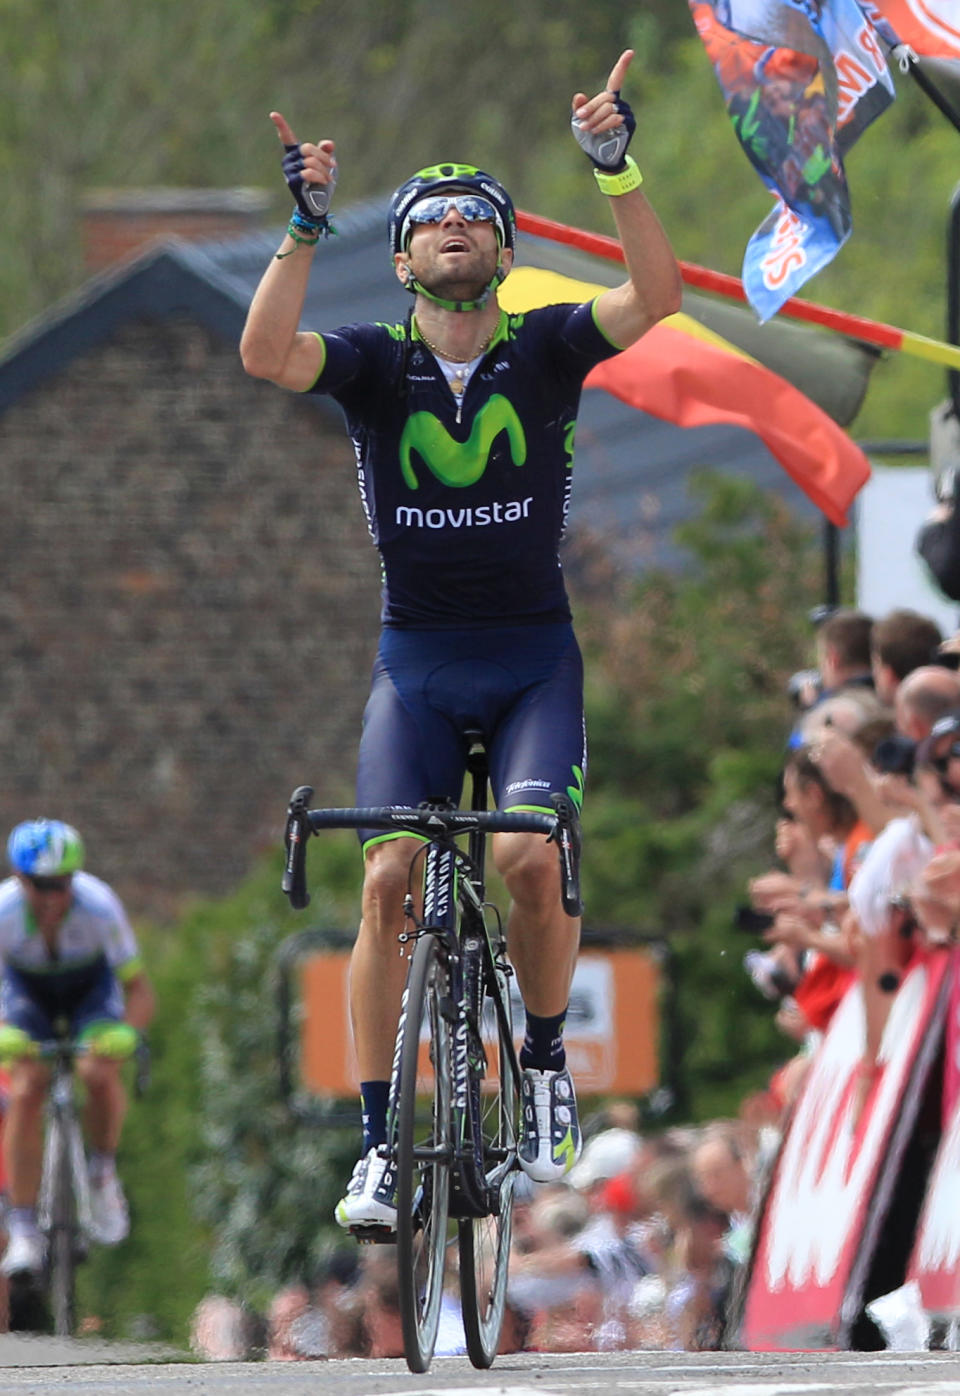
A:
(453, 1113)
(64, 1215)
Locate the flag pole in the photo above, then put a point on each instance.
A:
(873, 332)
(910, 63)
(953, 294)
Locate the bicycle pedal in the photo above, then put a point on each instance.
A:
(373, 1235)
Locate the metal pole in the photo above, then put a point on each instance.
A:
(943, 105)
(953, 295)
(831, 558)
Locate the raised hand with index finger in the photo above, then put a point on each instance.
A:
(310, 172)
(603, 125)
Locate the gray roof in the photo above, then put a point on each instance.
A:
(631, 468)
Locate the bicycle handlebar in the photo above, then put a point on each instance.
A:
(66, 1049)
(562, 827)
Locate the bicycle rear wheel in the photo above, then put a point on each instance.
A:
(485, 1241)
(424, 1143)
(62, 1234)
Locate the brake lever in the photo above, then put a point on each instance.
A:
(294, 883)
(567, 836)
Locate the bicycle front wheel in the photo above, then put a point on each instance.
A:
(424, 1142)
(62, 1234)
(485, 1241)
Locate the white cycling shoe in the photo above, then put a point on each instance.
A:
(109, 1216)
(550, 1140)
(371, 1196)
(24, 1255)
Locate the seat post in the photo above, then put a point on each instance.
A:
(479, 769)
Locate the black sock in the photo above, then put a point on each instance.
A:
(373, 1103)
(543, 1043)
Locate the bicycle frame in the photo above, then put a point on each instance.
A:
(439, 825)
(62, 1118)
(455, 1163)
(63, 1201)
(64, 1209)
(453, 912)
(445, 862)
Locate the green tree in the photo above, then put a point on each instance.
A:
(687, 718)
(227, 1191)
(162, 94)
(266, 1183)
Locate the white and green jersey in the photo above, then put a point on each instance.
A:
(96, 925)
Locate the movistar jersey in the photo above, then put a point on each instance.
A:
(467, 504)
(95, 926)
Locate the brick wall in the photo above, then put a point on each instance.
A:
(188, 610)
(116, 223)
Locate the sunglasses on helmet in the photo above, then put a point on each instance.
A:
(433, 209)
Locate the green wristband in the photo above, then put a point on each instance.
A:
(621, 183)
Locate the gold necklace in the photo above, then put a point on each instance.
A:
(457, 384)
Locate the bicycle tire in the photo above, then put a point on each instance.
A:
(424, 1149)
(61, 1241)
(484, 1242)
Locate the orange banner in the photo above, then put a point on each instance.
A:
(611, 1032)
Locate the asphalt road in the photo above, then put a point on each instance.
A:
(48, 1366)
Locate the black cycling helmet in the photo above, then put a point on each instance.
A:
(433, 180)
(467, 179)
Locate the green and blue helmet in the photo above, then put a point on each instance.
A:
(45, 848)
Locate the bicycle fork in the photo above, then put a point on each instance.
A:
(62, 1122)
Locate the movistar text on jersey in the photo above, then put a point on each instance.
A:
(479, 517)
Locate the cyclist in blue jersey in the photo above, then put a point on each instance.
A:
(68, 955)
(462, 418)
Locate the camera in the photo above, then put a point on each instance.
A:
(804, 687)
(945, 485)
(908, 923)
(895, 756)
(820, 613)
(747, 918)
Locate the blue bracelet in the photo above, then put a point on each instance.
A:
(300, 224)
(317, 226)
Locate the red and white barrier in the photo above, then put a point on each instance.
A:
(935, 1263)
(835, 1175)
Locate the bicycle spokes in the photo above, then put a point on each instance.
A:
(424, 1142)
(485, 1240)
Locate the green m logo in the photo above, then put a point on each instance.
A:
(460, 463)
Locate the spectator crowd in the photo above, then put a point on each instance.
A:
(641, 1245)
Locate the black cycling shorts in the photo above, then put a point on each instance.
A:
(80, 994)
(521, 686)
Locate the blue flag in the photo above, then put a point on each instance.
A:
(801, 80)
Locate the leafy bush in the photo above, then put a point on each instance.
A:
(226, 1191)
